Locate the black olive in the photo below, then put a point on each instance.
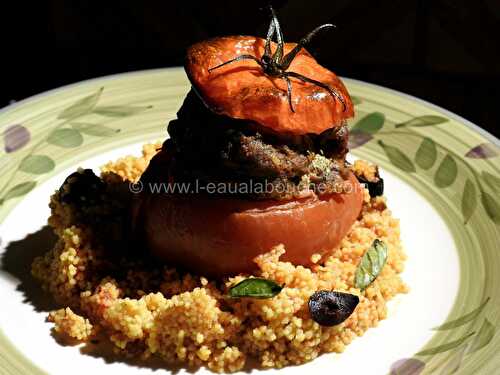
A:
(175, 129)
(375, 188)
(82, 187)
(329, 308)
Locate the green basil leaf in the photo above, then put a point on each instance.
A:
(483, 337)
(82, 106)
(67, 138)
(463, 319)
(446, 173)
(371, 265)
(426, 154)
(37, 164)
(491, 180)
(447, 346)
(398, 158)
(370, 124)
(469, 200)
(491, 206)
(95, 130)
(426, 120)
(19, 190)
(255, 288)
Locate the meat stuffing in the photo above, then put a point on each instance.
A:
(207, 147)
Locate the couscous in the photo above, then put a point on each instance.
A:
(147, 309)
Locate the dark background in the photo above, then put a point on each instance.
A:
(444, 51)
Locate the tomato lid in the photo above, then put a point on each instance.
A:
(242, 90)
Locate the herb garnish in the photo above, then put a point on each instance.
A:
(371, 264)
(255, 288)
(276, 64)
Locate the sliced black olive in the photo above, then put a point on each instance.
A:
(175, 129)
(375, 188)
(329, 308)
(82, 187)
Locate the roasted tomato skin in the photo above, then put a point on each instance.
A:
(221, 236)
(241, 90)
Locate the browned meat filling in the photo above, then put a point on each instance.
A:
(207, 147)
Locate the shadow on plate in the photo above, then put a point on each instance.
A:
(17, 259)
(104, 349)
(16, 262)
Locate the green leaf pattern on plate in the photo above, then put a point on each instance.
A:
(491, 206)
(469, 200)
(370, 124)
(119, 110)
(95, 130)
(453, 364)
(356, 100)
(448, 346)
(18, 190)
(37, 164)
(447, 172)
(82, 106)
(426, 157)
(463, 319)
(68, 138)
(426, 154)
(483, 337)
(398, 158)
(426, 120)
(61, 136)
(491, 180)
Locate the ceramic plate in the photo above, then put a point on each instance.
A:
(442, 177)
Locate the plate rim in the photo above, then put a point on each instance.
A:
(449, 113)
